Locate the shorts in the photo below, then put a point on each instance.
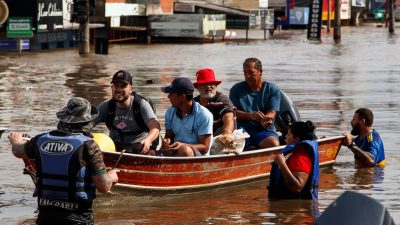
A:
(258, 136)
(134, 148)
(170, 153)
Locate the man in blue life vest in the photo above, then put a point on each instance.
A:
(257, 103)
(69, 166)
(367, 146)
(131, 120)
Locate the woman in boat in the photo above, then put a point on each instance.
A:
(297, 176)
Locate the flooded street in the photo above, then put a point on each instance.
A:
(326, 81)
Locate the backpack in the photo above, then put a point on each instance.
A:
(136, 105)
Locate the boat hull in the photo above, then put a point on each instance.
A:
(185, 174)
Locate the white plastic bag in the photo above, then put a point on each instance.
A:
(232, 143)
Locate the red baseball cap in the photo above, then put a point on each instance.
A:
(206, 76)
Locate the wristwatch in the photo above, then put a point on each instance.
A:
(351, 145)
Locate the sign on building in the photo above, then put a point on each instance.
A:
(315, 20)
(187, 25)
(183, 7)
(261, 19)
(50, 15)
(19, 27)
(263, 3)
(299, 16)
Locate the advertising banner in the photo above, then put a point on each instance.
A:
(178, 25)
(19, 27)
(299, 16)
(315, 20)
(261, 19)
(50, 15)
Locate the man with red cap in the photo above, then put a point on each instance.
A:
(217, 103)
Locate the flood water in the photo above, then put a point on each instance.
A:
(326, 81)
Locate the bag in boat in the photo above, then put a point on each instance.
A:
(229, 143)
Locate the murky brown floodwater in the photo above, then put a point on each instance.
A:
(326, 81)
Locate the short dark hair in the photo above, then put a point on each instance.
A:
(188, 96)
(364, 113)
(303, 130)
(257, 63)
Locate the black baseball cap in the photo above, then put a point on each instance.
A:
(122, 76)
(180, 85)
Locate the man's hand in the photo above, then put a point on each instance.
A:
(15, 138)
(166, 144)
(112, 174)
(146, 146)
(257, 116)
(347, 139)
(17, 145)
(266, 121)
(176, 145)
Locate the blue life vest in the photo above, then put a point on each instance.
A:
(63, 181)
(277, 187)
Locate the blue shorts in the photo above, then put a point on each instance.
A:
(258, 136)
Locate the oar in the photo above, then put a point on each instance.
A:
(116, 164)
(119, 158)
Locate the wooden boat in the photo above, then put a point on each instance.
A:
(186, 174)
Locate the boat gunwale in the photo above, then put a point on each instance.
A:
(219, 156)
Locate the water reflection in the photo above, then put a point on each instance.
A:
(326, 81)
(90, 82)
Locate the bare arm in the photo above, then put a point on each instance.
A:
(295, 181)
(167, 140)
(361, 155)
(203, 146)
(154, 131)
(246, 116)
(264, 119)
(268, 119)
(229, 122)
(204, 143)
(104, 182)
(17, 145)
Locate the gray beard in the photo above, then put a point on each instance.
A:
(208, 96)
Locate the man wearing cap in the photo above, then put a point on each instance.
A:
(135, 134)
(69, 166)
(217, 103)
(257, 103)
(188, 124)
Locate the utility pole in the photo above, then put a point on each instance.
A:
(328, 21)
(84, 45)
(391, 16)
(336, 30)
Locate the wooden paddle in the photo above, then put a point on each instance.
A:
(116, 164)
(119, 158)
